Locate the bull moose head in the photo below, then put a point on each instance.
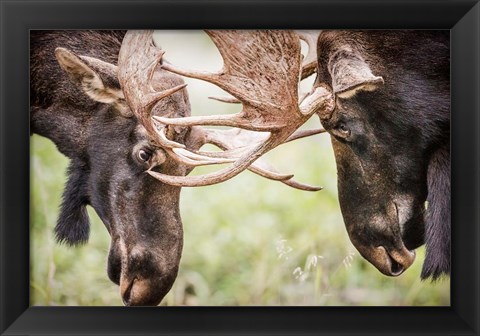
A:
(86, 111)
(390, 135)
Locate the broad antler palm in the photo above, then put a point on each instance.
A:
(261, 70)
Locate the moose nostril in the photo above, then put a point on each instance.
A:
(142, 292)
(127, 293)
(393, 262)
(400, 260)
(396, 268)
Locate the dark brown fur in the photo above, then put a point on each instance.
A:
(391, 134)
(140, 213)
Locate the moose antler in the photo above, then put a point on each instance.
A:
(136, 70)
(262, 71)
(138, 61)
(309, 64)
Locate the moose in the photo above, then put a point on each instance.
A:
(390, 132)
(383, 96)
(93, 93)
(78, 103)
(120, 112)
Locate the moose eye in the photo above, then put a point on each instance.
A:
(144, 155)
(343, 129)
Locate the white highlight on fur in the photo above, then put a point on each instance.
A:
(404, 208)
(353, 92)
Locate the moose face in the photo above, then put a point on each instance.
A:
(109, 173)
(381, 182)
(390, 135)
(140, 213)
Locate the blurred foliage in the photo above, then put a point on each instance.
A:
(248, 241)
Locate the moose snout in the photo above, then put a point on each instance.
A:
(392, 262)
(392, 259)
(388, 254)
(141, 292)
(143, 278)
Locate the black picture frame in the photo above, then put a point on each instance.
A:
(17, 17)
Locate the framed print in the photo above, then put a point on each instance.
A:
(250, 257)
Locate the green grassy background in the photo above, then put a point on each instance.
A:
(248, 241)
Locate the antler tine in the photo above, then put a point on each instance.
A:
(218, 176)
(238, 142)
(250, 161)
(231, 100)
(263, 168)
(137, 61)
(233, 120)
(301, 186)
(210, 158)
(304, 133)
(234, 139)
(192, 159)
(309, 63)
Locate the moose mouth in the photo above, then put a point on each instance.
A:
(393, 262)
(142, 292)
(126, 292)
(393, 252)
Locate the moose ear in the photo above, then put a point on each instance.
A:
(73, 225)
(350, 73)
(98, 79)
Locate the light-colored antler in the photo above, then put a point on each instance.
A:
(234, 140)
(261, 70)
(138, 61)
